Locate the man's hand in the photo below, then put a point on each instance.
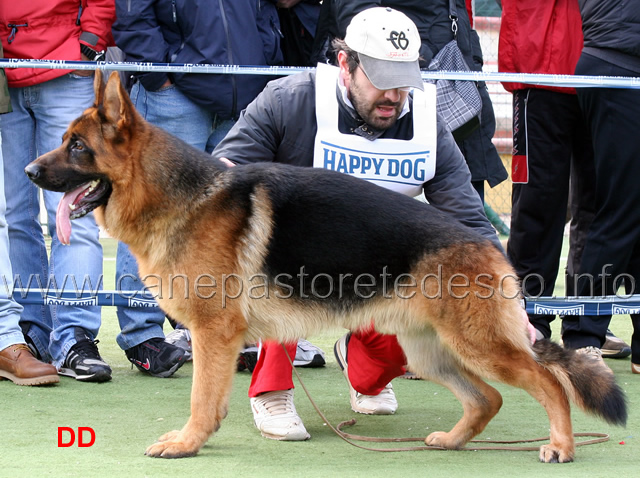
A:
(83, 72)
(227, 162)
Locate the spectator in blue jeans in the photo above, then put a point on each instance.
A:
(198, 108)
(17, 361)
(44, 102)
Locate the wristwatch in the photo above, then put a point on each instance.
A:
(90, 53)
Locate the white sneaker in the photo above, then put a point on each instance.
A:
(275, 415)
(308, 355)
(181, 338)
(248, 358)
(384, 403)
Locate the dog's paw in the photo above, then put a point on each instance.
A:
(169, 435)
(442, 440)
(552, 454)
(171, 448)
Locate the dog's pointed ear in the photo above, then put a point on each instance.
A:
(98, 87)
(116, 102)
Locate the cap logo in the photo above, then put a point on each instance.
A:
(398, 40)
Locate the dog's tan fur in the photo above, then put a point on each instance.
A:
(451, 340)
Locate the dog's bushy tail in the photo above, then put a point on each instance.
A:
(587, 382)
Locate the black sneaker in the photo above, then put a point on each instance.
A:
(248, 358)
(83, 361)
(156, 357)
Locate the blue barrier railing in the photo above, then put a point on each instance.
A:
(542, 305)
(569, 81)
(134, 298)
(608, 305)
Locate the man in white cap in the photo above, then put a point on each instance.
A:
(371, 117)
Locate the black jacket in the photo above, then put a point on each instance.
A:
(221, 32)
(611, 31)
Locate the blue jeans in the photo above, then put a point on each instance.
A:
(169, 109)
(41, 114)
(10, 310)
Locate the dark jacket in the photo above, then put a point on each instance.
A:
(221, 32)
(432, 20)
(611, 31)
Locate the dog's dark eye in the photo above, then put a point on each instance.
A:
(78, 145)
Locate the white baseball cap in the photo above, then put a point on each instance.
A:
(388, 46)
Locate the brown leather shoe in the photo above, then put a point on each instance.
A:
(18, 364)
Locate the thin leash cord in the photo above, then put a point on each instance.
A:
(348, 437)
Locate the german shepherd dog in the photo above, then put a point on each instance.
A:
(268, 251)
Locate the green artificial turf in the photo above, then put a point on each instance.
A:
(133, 410)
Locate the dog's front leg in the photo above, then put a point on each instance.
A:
(215, 354)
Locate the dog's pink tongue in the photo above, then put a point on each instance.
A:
(63, 219)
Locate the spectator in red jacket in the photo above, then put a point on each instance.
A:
(552, 151)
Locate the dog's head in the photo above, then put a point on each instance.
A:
(93, 148)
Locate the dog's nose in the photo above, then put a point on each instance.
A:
(33, 171)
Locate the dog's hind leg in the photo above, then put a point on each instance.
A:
(215, 352)
(499, 358)
(524, 372)
(429, 359)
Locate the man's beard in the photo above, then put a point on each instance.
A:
(368, 112)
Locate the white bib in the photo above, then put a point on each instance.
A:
(399, 165)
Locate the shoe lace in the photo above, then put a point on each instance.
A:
(86, 348)
(386, 393)
(278, 404)
(387, 390)
(151, 351)
(17, 347)
(157, 342)
(155, 349)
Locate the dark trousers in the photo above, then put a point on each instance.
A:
(552, 160)
(611, 254)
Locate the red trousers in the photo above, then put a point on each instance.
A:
(374, 360)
